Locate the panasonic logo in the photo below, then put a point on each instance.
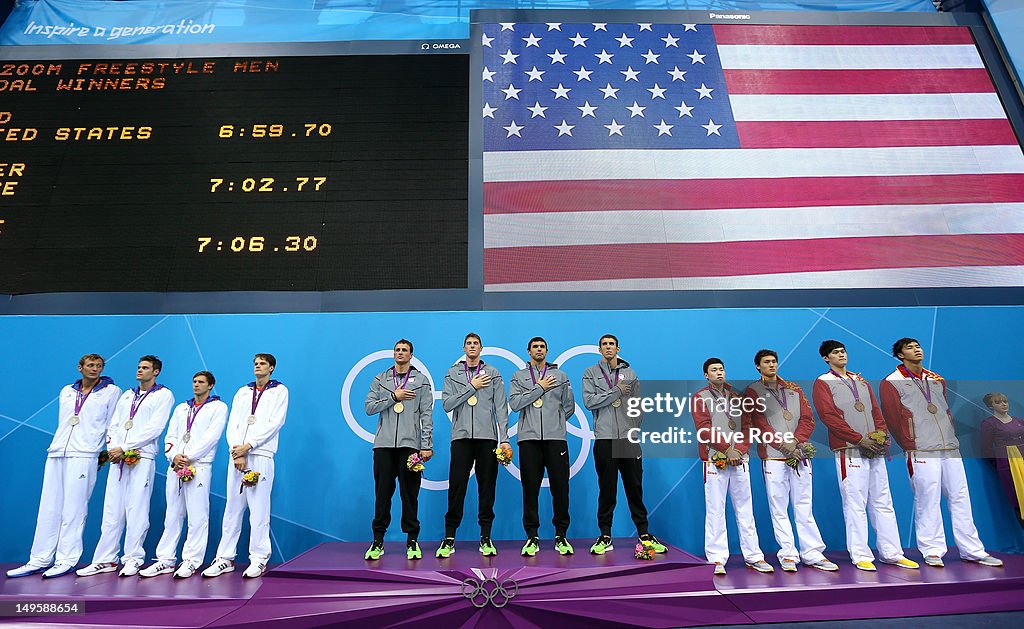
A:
(729, 16)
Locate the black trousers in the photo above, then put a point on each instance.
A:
(610, 465)
(465, 454)
(389, 464)
(534, 458)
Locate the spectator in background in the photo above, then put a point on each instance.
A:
(1001, 439)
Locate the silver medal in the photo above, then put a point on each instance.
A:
(251, 420)
(74, 420)
(128, 424)
(186, 437)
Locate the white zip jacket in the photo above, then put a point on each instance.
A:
(87, 438)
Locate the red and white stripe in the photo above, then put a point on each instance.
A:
(872, 157)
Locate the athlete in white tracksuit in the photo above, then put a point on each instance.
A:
(83, 415)
(195, 429)
(139, 419)
(258, 411)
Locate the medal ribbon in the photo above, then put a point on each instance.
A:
(851, 385)
(137, 402)
(193, 410)
(611, 384)
(541, 373)
(476, 373)
(80, 399)
(780, 399)
(255, 398)
(394, 374)
(925, 390)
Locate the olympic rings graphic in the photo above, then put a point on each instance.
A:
(583, 430)
(490, 590)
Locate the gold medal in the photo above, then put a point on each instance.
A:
(732, 425)
(933, 409)
(786, 415)
(859, 406)
(128, 424)
(539, 402)
(617, 403)
(472, 400)
(74, 420)
(186, 437)
(251, 420)
(399, 407)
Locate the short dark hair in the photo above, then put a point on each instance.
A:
(712, 361)
(609, 336)
(534, 340)
(990, 398)
(897, 347)
(267, 357)
(206, 374)
(88, 357)
(829, 346)
(158, 364)
(405, 342)
(761, 353)
(473, 335)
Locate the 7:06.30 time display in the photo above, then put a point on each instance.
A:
(257, 244)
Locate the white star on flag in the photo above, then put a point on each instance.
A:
(489, 111)
(704, 91)
(614, 128)
(650, 57)
(583, 74)
(630, 74)
(507, 26)
(509, 57)
(513, 129)
(636, 110)
(609, 91)
(557, 57)
(663, 128)
(684, 109)
(624, 41)
(696, 57)
(690, 27)
(561, 92)
(656, 92)
(604, 57)
(485, 40)
(579, 40)
(537, 110)
(677, 74)
(554, 26)
(534, 74)
(670, 42)
(488, 75)
(601, 26)
(587, 109)
(532, 41)
(712, 128)
(645, 27)
(565, 129)
(511, 92)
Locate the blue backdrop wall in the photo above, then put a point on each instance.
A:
(324, 489)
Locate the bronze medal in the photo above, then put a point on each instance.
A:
(617, 403)
(472, 400)
(251, 420)
(74, 420)
(933, 409)
(732, 425)
(788, 416)
(186, 437)
(399, 407)
(128, 424)
(539, 402)
(859, 406)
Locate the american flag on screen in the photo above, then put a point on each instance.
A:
(690, 156)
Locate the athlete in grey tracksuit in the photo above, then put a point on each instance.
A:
(402, 397)
(474, 394)
(542, 395)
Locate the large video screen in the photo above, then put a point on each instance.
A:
(622, 157)
(234, 174)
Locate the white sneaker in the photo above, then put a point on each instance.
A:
(160, 567)
(58, 570)
(96, 568)
(185, 570)
(255, 570)
(824, 565)
(788, 565)
(219, 567)
(24, 571)
(130, 569)
(989, 560)
(761, 566)
(719, 568)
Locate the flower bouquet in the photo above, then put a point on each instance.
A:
(102, 459)
(803, 452)
(131, 457)
(249, 479)
(645, 550)
(186, 473)
(415, 462)
(719, 460)
(881, 438)
(503, 454)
